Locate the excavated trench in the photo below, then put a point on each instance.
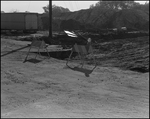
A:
(62, 55)
(141, 69)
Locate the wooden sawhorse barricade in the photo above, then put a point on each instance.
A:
(82, 51)
(38, 44)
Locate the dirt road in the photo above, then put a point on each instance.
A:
(50, 89)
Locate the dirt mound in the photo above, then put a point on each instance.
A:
(131, 53)
(133, 19)
(101, 19)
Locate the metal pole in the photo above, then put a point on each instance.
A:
(50, 20)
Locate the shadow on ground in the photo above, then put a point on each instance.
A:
(32, 61)
(86, 71)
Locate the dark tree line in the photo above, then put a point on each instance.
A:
(102, 6)
(120, 5)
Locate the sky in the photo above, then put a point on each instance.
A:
(37, 6)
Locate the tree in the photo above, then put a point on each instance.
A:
(143, 7)
(46, 9)
(55, 9)
(146, 6)
(92, 6)
(116, 4)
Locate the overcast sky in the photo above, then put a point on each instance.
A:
(36, 6)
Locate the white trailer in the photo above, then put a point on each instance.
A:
(19, 21)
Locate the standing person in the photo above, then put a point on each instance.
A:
(89, 41)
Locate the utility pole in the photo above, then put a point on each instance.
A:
(50, 20)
